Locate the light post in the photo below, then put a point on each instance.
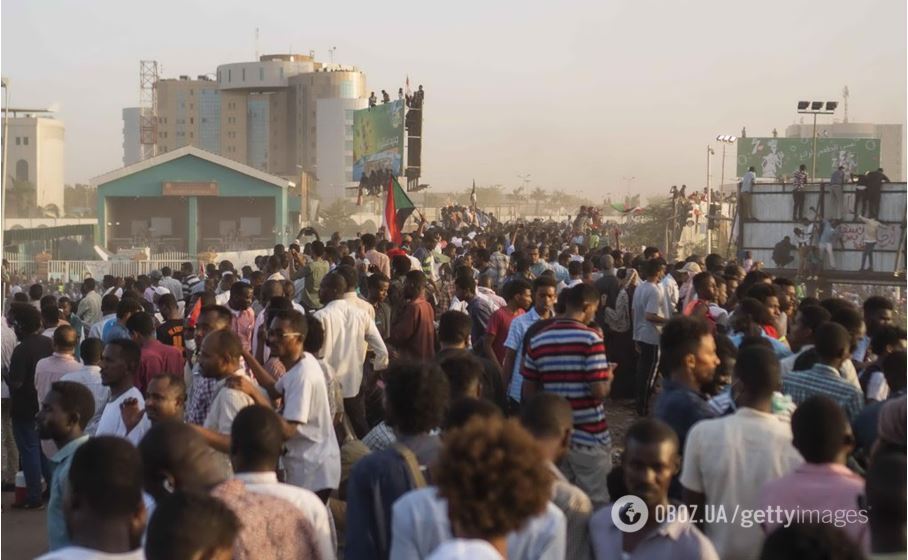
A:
(816, 108)
(709, 234)
(725, 140)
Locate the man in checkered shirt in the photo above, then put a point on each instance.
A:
(799, 179)
(833, 346)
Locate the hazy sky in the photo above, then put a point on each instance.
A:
(579, 94)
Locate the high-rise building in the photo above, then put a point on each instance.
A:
(266, 114)
(132, 142)
(892, 158)
(35, 155)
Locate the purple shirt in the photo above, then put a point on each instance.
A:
(821, 487)
(157, 358)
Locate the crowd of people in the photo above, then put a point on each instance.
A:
(448, 396)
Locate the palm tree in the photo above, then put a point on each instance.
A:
(539, 195)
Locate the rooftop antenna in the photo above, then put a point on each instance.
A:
(256, 43)
(845, 96)
(331, 54)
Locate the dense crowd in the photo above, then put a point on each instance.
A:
(447, 396)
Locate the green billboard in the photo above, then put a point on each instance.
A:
(780, 157)
(378, 139)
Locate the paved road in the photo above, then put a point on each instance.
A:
(24, 532)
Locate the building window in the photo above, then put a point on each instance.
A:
(229, 75)
(191, 120)
(21, 170)
(18, 140)
(348, 145)
(282, 72)
(244, 74)
(262, 74)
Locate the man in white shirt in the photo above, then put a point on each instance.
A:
(119, 365)
(649, 314)
(256, 444)
(346, 327)
(746, 198)
(312, 458)
(711, 476)
(420, 524)
(90, 376)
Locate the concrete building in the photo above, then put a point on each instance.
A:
(191, 200)
(132, 146)
(891, 137)
(265, 114)
(334, 146)
(36, 155)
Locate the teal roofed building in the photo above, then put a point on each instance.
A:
(192, 200)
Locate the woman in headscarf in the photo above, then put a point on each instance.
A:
(621, 335)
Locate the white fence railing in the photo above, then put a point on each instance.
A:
(76, 271)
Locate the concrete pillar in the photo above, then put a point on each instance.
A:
(280, 215)
(193, 227)
(101, 228)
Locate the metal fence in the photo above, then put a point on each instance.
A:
(76, 271)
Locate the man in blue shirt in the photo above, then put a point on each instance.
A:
(65, 412)
(688, 352)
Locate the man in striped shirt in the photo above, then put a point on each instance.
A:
(568, 358)
(833, 345)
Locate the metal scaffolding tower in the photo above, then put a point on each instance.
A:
(148, 107)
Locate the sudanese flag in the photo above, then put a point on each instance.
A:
(398, 208)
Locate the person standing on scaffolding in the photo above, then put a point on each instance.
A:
(800, 182)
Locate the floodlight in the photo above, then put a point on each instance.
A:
(831, 105)
(816, 105)
(802, 105)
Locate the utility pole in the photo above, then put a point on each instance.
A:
(709, 233)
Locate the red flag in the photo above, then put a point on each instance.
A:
(398, 208)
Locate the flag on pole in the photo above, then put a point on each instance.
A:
(398, 208)
(473, 195)
(407, 86)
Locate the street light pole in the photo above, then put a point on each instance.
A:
(709, 233)
(816, 108)
(813, 167)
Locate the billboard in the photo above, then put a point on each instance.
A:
(780, 157)
(378, 139)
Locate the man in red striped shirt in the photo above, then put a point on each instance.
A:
(568, 358)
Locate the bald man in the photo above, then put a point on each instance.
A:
(51, 369)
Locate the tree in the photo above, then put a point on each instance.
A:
(539, 195)
(336, 217)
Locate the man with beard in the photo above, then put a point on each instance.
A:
(65, 412)
(650, 461)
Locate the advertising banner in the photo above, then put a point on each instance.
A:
(378, 139)
(780, 157)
